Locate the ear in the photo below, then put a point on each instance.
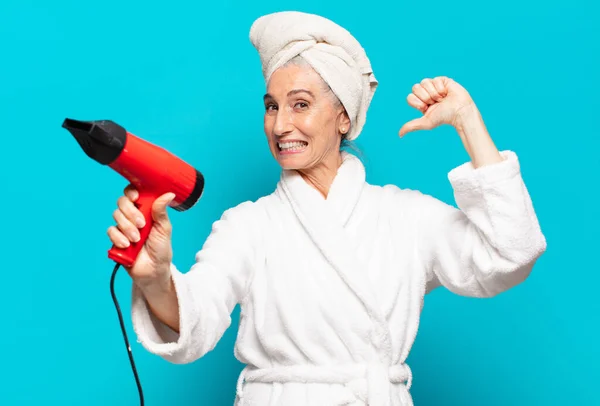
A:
(343, 122)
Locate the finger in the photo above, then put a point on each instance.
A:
(159, 210)
(427, 84)
(126, 226)
(421, 123)
(117, 237)
(131, 212)
(440, 85)
(131, 192)
(422, 94)
(415, 102)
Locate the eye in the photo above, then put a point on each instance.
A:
(270, 106)
(301, 105)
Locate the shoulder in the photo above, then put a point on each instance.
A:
(249, 213)
(405, 206)
(396, 196)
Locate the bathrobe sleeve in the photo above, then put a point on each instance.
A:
(491, 241)
(207, 293)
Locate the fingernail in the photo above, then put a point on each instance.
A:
(135, 237)
(140, 222)
(124, 242)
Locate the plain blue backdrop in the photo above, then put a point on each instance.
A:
(184, 75)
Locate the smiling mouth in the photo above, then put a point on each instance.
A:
(294, 146)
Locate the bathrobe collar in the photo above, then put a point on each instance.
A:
(325, 221)
(343, 195)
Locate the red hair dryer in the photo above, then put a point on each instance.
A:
(152, 170)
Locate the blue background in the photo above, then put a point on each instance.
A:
(185, 76)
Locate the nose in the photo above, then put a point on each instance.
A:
(283, 123)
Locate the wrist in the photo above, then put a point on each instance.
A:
(467, 117)
(475, 137)
(159, 285)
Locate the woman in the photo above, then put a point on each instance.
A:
(330, 271)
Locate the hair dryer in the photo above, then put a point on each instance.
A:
(152, 170)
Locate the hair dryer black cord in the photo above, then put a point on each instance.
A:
(135, 374)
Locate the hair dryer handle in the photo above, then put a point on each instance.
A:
(127, 256)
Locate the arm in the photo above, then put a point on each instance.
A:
(491, 241)
(204, 297)
(163, 303)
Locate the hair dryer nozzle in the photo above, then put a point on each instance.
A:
(101, 140)
(195, 194)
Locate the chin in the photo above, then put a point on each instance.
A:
(291, 163)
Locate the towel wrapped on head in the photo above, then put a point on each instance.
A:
(328, 48)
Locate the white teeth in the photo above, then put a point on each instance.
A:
(292, 145)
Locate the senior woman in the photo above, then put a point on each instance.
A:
(330, 271)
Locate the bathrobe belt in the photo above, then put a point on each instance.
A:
(369, 383)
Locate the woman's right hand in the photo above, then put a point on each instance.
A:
(152, 266)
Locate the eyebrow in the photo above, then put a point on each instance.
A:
(291, 93)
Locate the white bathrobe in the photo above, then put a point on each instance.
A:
(331, 290)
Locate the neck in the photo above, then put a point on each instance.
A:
(322, 175)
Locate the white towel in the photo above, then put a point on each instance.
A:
(330, 49)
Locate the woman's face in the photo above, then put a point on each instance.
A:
(302, 122)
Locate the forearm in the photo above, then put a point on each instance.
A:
(163, 303)
(475, 137)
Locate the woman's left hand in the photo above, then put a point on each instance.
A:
(441, 100)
